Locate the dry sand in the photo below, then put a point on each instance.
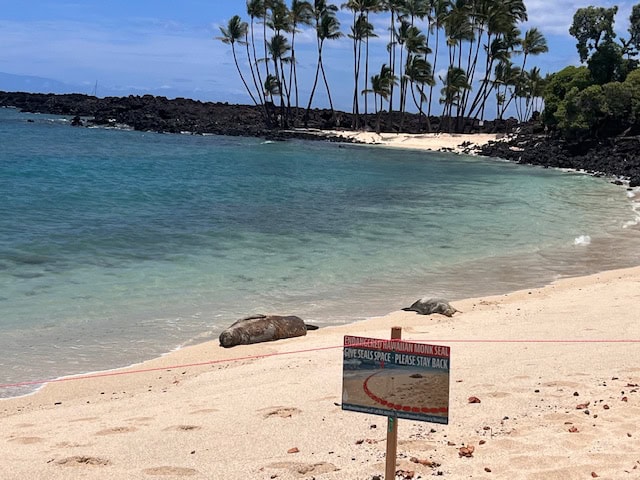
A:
(456, 143)
(239, 419)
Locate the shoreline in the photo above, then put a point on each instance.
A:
(289, 396)
(433, 142)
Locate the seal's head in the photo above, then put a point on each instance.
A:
(229, 338)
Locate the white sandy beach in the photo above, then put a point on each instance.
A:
(531, 357)
(450, 142)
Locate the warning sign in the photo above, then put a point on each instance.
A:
(395, 378)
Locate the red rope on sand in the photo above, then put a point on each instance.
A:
(266, 355)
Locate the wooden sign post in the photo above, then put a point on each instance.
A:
(392, 429)
(396, 379)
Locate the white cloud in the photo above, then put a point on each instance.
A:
(555, 17)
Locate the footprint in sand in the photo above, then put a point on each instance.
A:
(26, 440)
(79, 461)
(183, 428)
(417, 445)
(116, 430)
(304, 469)
(170, 471)
(87, 419)
(204, 410)
(25, 425)
(282, 412)
(139, 419)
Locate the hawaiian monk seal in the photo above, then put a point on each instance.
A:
(263, 328)
(427, 306)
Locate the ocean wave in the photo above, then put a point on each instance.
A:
(582, 240)
(634, 196)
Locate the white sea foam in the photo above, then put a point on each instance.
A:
(582, 240)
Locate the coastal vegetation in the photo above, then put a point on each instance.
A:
(486, 49)
(600, 98)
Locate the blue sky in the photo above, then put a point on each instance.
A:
(168, 48)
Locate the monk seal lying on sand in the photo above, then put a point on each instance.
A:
(263, 328)
(427, 306)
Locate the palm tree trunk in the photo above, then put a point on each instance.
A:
(235, 59)
(366, 75)
(264, 33)
(392, 65)
(315, 84)
(293, 69)
(483, 85)
(435, 62)
(259, 85)
(354, 105)
(326, 84)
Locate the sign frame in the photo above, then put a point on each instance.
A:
(388, 371)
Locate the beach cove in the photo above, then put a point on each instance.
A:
(195, 413)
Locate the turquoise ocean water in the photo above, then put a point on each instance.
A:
(118, 246)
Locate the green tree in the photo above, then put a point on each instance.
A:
(419, 73)
(255, 9)
(437, 16)
(455, 83)
(591, 27)
(360, 30)
(381, 85)
(607, 64)
(634, 28)
(300, 13)
(500, 19)
(327, 27)
(278, 48)
(235, 32)
(369, 6)
(558, 85)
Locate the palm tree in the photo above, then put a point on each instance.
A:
(327, 28)
(381, 85)
(503, 38)
(278, 47)
(360, 30)
(255, 9)
(401, 35)
(537, 86)
(415, 43)
(392, 6)
(369, 6)
(418, 72)
(455, 83)
(235, 31)
(300, 13)
(459, 29)
(533, 43)
(439, 12)
(508, 77)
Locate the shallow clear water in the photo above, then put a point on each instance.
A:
(117, 246)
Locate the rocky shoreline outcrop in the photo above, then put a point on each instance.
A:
(617, 157)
